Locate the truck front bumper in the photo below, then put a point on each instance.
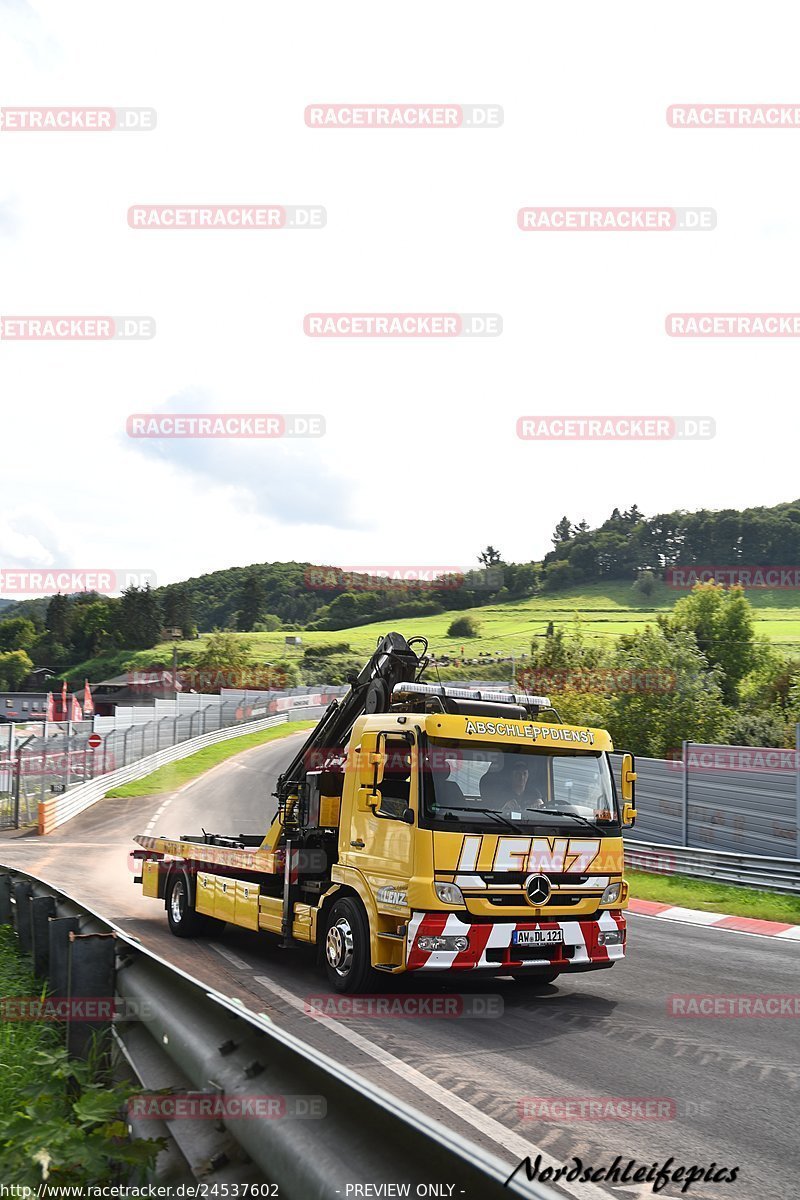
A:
(491, 945)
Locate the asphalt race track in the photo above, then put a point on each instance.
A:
(727, 1085)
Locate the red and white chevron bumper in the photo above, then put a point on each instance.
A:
(491, 945)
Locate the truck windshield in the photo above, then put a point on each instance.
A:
(488, 788)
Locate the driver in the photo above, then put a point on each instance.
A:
(519, 799)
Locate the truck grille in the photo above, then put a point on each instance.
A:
(505, 954)
(557, 899)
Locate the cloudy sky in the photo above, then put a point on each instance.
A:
(420, 463)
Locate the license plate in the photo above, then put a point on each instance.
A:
(537, 937)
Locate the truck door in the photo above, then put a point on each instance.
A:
(381, 836)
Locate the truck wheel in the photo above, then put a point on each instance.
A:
(182, 918)
(347, 952)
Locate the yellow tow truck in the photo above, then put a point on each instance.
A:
(423, 827)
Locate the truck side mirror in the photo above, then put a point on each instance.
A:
(628, 781)
(371, 760)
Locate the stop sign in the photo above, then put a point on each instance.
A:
(94, 741)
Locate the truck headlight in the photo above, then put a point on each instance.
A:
(443, 943)
(611, 894)
(611, 937)
(448, 893)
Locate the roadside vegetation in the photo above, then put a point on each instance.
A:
(62, 1121)
(714, 897)
(174, 775)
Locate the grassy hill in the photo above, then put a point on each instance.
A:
(606, 611)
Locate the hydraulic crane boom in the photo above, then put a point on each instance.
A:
(395, 661)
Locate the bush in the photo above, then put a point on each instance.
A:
(646, 584)
(327, 650)
(757, 729)
(268, 624)
(463, 627)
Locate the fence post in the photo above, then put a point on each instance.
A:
(69, 753)
(125, 747)
(685, 779)
(17, 784)
(44, 766)
(175, 730)
(797, 784)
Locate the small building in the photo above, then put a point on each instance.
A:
(133, 689)
(23, 706)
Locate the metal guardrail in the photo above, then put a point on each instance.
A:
(716, 866)
(58, 809)
(171, 1025)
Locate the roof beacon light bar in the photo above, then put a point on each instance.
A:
(524, 699)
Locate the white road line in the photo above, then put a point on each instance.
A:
(789, 933)
(233, 959)
(510, 1141)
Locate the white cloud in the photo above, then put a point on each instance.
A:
(420, 463)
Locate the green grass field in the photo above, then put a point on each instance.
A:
(714, 897)
(173, 775)
(606, 611)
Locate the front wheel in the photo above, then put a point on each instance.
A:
(347, 952)
(182, 918)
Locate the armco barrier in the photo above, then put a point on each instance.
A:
(58, 809)
(715, 866)
(169, 1027)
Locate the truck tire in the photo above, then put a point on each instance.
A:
(347, 951)
(182, 918)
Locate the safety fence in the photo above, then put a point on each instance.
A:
(47, 760)
(61, 808)
(715, 866)
(177, 1040)
(739, 799)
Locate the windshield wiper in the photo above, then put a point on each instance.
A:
(490, 812)
(563, 812)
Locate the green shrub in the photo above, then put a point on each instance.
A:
(463, 627)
